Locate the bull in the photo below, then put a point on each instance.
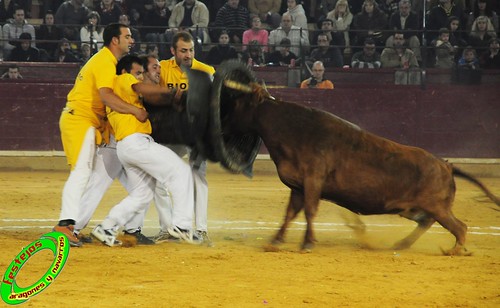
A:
(321, 156)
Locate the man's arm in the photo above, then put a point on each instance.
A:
(111, 100)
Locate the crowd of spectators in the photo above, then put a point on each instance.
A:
(357, 33)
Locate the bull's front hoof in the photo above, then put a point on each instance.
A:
(456, 251)
(271, 248)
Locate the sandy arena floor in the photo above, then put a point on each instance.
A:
(243, 215)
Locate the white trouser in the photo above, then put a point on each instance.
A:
(77, 181)
(145, 161)
(107, 167)
(169, 215)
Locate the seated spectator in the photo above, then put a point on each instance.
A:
(469, 59)
(23, 52)
(341, 18)
(48, 35)
(324, 7)
(437, 17)
(283, 56)
(92, 32)
(329, 55)
(136, 35)
(370, 22)
(109, 11)
(192, 16)
(222, 51)
(369, 57)
(482, 8)
(69, 18)
(12, 73)
(64, 53)
(256, 33)
(389, 7)
(85, 53)
(13, 29)
(233, 17)
(398, 56)
(152, 50)
(445, 52)
(490, 59)
(406, 21)
(299, 18)
(298, 37)
(267, 10)
(254, 56)
(481, 33)
(456, 39)
(155, 22)
(336, 38)
(316, 81)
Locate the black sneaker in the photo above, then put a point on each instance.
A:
(141, 238)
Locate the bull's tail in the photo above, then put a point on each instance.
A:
(460, 173)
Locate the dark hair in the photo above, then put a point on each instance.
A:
(126, 62)
(145, 61)
(94, 14)
(181, 35)
(111, 31)
(369, 41)
(444, 30)
(285, 42)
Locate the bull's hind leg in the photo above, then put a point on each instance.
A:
(295, 205)
(458, 229)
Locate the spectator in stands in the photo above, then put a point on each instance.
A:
(482, 8)
(152, 50)
(256, 33)
(283, 56)
(213, 7)
(192, 16)
(125, 19)
(336, 38)
(155, 23)
(398, 56)
(253, 55)
(369, 57)
(267, 11)
(469, 59)
(481, 33)
(341, 18)
(24, 52)
(456, 39)
(49, 5)
(324, 7)
(317, 81)
(370, 22)
(297, 36)
(329, 55)
(12, 73)
(109, 11)
(407, 21)
(48, 35)
(221, 52)
(299, 17)
(85, 53)
(445, 52)
(490, 59)
(64, 53)
(13, 29)
(438, 17)
(233, 17)
(6, 10)
(92, 32)
(69, 18)
(389, 7)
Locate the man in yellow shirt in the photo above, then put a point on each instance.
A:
(83, 122)
(145, 161)
(316, 81)
(172, 76)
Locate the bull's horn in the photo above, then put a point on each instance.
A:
(237, 86)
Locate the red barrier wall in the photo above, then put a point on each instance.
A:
(447, 120)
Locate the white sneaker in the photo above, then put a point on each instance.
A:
(181, 234)
(107, 237)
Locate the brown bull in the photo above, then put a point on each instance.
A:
(321, 156)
